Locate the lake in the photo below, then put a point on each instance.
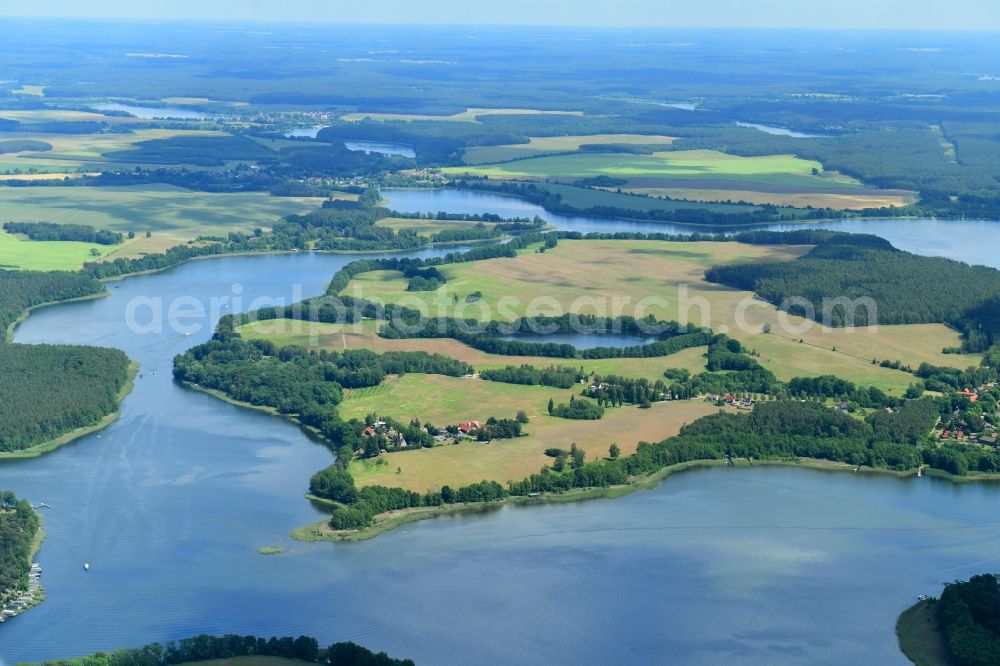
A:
(172, 502)
(304, 132)
(955, 239)
(381, 148)
(155, 112)
(780, 131)
(378, 147)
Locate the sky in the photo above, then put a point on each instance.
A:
(850, 14)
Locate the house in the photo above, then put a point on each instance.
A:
(713, 397)
(730, 400)
(466, 428)
(946, 434)
(369, 431)
(968, 393)
(988, 440)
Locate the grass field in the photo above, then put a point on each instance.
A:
(591, 276)
(470, 115)
(702, 175)
(920, 638)
(455, 399)
(338, 337)
(425, 227)
(173, 215)
(678, 165)
(74, 151)
(557, 144)
(17, 252)
(249, 661)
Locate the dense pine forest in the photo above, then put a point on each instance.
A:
(906, 288)
(48, 390)
(18, 525)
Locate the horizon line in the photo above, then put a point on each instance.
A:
(558, 26)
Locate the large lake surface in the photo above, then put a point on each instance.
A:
(964, 240)
(172, 502)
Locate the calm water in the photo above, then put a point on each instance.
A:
(583, 340)
(171, 503)
(779, 131)
(307, 132)
(154, 112)
(381, 148)
(955, 239)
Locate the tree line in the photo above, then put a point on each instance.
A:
(906, 288)
(50, 231)
(205, 647)
(18, 525)
(968, 613)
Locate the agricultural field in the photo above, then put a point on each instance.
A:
(470, 115)
(81, 151)
(16, 252)
(591, 276)
(171, 214)
(363, 335)
(513, 459)
(557, 144)
(704, 175)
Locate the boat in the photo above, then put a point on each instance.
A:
(86, 566)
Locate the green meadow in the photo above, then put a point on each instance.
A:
(17, 252)
(786, 170)
(170, 214)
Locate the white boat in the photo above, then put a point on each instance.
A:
(86, 566)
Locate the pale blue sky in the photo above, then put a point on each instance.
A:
(919, 14)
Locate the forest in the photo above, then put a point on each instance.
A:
(48, 390)
(205, 647)
(50, 231)
(968, 613)
(20, 290)
(906, 288)
(18, 525)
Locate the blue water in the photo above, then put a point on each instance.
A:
(172, 502)
(779, 131)
(962, 240)
(381, 148)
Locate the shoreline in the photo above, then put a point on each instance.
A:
(920, 637)
(12, 329)
(319, 531)
(73, 435)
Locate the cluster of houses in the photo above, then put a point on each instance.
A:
(730, 400)
(388, 432)
(28, 598)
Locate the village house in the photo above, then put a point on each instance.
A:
(468, 427)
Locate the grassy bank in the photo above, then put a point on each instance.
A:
(320, 530)
(920, 637)
(73, 435)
